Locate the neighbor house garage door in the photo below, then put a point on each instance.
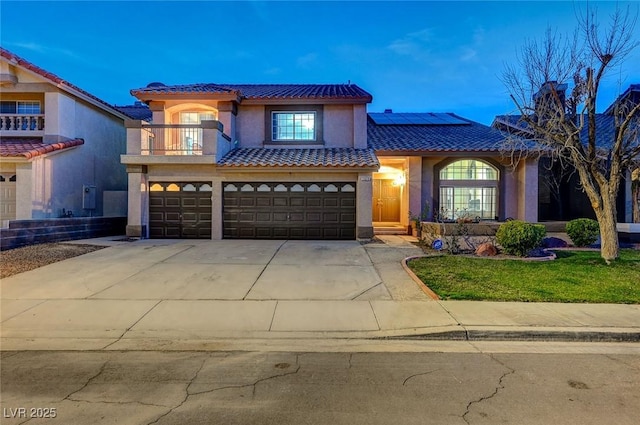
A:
(180, 210)
(7, 197)
(289, 210)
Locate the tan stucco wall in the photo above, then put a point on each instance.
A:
(338, 126)
(250, 126)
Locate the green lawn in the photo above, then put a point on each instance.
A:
(575, 276)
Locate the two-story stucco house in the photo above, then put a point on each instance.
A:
(260, 161)
(60, 147)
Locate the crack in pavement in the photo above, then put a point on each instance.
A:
(253, 392)
(617, 360)
(186, 396)
(418, 374)
(495, 392)
(86, 384)
(141, 403)
(254, 384)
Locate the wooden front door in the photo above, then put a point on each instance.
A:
(386, 201)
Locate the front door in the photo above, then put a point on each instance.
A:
(386, 201)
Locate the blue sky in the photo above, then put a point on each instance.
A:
(411, 56)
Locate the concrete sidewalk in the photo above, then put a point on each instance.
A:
(164, 294)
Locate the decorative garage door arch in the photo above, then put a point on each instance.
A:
(284, 210)
(180, 210)
(468, 187)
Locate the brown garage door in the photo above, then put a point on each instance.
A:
(180, 210)
(289, 210)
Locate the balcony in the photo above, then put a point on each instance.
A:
(203, 143)
(22, 124)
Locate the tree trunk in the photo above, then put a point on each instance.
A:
(635, 195)
(606, 215)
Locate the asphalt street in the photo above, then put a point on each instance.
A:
(583, 385)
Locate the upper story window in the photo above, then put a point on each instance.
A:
(19, 107)
(196, 117)
(293, 126)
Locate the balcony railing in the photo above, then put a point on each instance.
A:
(202, 143)
(175, 139)
(22, 122)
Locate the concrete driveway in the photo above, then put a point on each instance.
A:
(202, 294)
(160, 289)
(222, 270)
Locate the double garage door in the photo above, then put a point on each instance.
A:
(260, 210)
(289, 210)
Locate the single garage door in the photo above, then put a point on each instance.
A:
(180, 210)
(7, 197)
(289, 210)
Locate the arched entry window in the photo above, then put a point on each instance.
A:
(469, 188)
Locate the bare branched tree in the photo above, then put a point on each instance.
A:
(563, 125)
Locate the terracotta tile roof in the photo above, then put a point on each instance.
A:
(283, 157)
(265, 91)
(17, 60)
(138, 111)
(31, 147)
(470, 137)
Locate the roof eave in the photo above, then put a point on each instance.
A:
(149, 96)
(280, 168)
(306, 100)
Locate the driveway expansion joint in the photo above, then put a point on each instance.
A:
(263, 270)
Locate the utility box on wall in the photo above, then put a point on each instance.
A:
(88, 197)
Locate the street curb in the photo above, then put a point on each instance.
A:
(525, 335)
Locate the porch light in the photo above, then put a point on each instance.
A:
(400, 180)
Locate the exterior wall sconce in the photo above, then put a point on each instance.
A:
(400, 180)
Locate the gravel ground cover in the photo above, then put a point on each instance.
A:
(27, 258)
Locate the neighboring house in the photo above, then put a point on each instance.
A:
(560, 195)
(447, 165)
(137, 111)
(60, 147)
(262, 161)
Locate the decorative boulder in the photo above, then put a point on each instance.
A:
(552, 242)
(486, 249)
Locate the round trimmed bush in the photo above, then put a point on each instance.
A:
(583, 231)
(518, 237)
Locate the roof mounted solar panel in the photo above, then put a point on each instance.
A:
(416, 118)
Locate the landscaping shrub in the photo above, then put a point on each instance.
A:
(583, 231)
(518, 238)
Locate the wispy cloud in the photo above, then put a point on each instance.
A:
(307, 61)
(41, 48)
(414, 44)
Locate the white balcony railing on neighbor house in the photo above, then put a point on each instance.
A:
(22, 122)
(164, 140)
